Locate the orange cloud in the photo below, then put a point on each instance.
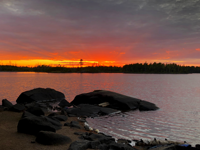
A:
(198, 49)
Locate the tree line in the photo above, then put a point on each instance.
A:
(129, 68)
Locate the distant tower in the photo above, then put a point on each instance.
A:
(81, 62)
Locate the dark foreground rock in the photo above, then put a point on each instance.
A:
(86, 110)
(59, 117)
(6, 103)
(113, 100)
(74, 124)
(40, 95)
(50, 138)
(18, 108)
(79, 145)
(37, 111)
(34, 124)
(98, 141)
(64, 103)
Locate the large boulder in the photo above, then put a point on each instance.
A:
(34, 124)
(40, 95)
(50, 138)
(111, 99)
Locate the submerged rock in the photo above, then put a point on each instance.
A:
(50, 138)
(40, 95)
(113, 100)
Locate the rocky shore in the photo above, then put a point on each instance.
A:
(31, 124)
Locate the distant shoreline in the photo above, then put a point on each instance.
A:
(137, 68)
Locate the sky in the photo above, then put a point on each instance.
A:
(104, 32)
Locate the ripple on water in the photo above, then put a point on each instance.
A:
(145, 125)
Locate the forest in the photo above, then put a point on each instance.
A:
(159, 68)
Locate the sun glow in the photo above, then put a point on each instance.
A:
(64, 63)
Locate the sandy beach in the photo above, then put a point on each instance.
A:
(10, 139)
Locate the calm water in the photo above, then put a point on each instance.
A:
(178, 97)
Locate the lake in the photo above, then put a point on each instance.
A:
(177, 96)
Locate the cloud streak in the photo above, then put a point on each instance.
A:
(124, 31)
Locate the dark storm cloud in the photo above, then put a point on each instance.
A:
(144, 26)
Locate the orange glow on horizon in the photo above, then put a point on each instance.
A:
(65, 63)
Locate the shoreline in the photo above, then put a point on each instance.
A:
(11, 139)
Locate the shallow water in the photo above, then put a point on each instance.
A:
(178, 97)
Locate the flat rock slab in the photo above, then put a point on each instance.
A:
(50, 138)
(40, 95)
(115, 100)
(86, 110)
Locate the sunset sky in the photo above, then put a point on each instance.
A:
(105, 32)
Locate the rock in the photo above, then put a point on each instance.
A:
(52, 114)
(32, 125)
(146, 106)
(67, 124)
(94, 144)
(74, 124)
(27, 114)
(18, 108)
(1, 108)
(78, 133)
(63, 103)
(50, 138)
(86, 110)
(123, 141)
(103, 147)
(53, 121)
(35, 110)
(117, 146)
(197, 146)
(115, 100)
(98, 137)
(60, 117)
(40, 95)
(6, 103)
(79, 145)
(178, 147)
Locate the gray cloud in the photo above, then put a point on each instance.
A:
(150, 25)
